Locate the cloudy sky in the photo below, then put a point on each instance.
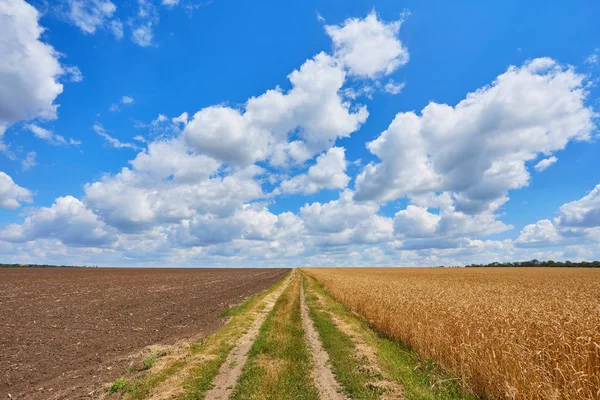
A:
(317, 132)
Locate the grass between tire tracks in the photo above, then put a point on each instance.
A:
(421, 379)
(202, 361)
(279, 363)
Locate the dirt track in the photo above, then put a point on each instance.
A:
(65, 332)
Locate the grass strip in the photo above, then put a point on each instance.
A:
(421, 379)
(204, 358)
(279, 364)
(341, 350)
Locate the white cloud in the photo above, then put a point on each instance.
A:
(416, 222)
(72, 73)
(542, 233)
(336, 215)
(143, 24)
(116, 28)
(182, 119)
(89, 15)
(223, 133)
(50, 137)
(478, 149)
(582, 213)
(417, 228)
(142, 35)
(368, 47)
(393, 88)
(594, 58)
(29, 161)
(114, 142)
(11, 194)
(30, 68)
(166, 185)
(125, 100)
(578, 224)
(67, 220)
(329, 172)
(545, 163)
(313, 108)
(170, 3)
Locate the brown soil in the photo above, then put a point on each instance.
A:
(65, 332)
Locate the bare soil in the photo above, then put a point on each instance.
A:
(66, 332)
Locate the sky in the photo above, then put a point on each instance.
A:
(229, 133)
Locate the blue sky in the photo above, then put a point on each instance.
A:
(189, 133)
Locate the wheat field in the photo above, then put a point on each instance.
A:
(516, 333)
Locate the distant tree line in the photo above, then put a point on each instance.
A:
(537, 263)
(41, 266)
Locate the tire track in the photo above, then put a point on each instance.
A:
(324, 379)
(366, 354)
(231, 369)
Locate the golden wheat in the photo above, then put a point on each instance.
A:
(517, 333)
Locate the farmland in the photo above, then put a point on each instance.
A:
(505, 333)
(314, 333)
(65, 332)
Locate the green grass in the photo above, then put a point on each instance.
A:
(341, 351)
(117, 385)
(421, 379)
(279, 364)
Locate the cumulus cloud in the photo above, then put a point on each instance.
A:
(417, 227)
(582, 213)
(545, 163)
(542, 233)
(166, 184)
(336, 215)
(30, 68)
(368, 47)
(329, 172)
(67, 220)
(313, 109)
(11, 194)
(578, 223)
(478, 148)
